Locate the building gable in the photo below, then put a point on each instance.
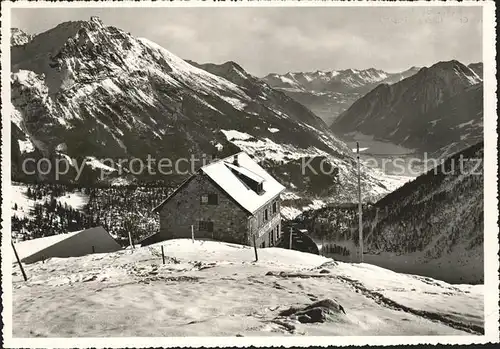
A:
(203, 208)
(241, 178)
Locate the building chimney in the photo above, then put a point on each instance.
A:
(235, 160)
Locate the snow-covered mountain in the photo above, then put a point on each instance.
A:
(255, 87)
(348, 80)
(432, 226)
(439, 107)
(85, 91)
(477, 68)
(329, 93)
(18, 37)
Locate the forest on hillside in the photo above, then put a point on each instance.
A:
(119, 210)
(436, 213)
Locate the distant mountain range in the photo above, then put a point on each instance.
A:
(328, 93)
(342, 81)
(438, 110)
(87, 91)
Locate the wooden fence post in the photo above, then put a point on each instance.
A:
(290, 238)
(255, 249)
(162, 255)
(93, 249)
(130, 239)
(19, 262)
(192, 233)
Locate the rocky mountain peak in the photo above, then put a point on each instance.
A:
(18, 37)
(96, 20)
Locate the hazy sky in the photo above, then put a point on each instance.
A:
(265, 40)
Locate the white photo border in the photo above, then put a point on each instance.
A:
(491, 246)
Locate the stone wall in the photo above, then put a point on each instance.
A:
(266, 232)
(230, 221)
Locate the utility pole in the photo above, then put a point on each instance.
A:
(360, 211)
(130, 239)
(255, 249)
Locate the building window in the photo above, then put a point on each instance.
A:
(265, 215)
(209, 199)
(275, 207)
(206, 226)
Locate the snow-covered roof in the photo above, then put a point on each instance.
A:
(221, 173)
(245, 172)
(96, 236)
(30, 247)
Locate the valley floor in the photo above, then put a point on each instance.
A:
(209, 288)
(391, 159)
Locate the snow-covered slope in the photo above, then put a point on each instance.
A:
(210, 288)
(23, 205)
(426, 111)
(329, 93)
(85, 91)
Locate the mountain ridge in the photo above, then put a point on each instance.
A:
(135, 98)
(432, 225)
(407, 112)
(329, 93)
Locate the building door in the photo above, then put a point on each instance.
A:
(205, 229)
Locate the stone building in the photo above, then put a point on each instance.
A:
(230, 200)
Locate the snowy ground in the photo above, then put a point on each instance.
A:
(216, 289)
(25, 205)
